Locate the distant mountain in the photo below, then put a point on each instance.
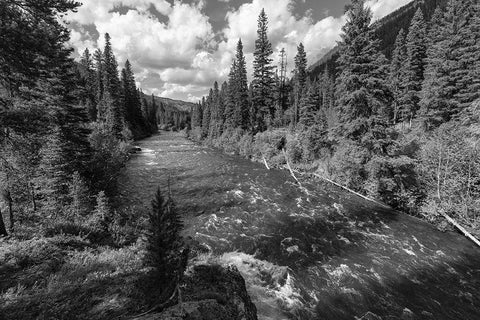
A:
(170, 112)
(387, 29)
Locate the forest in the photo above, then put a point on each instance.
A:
(403, 130)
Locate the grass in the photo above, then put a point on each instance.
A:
(67, 277)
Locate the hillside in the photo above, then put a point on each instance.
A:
(170, 112)
(387, 29)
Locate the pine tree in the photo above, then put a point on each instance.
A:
(110, 75)
(79, 196)
(449, 84)
(363, 98)
(434, 107)
(300, 79)
(397, 75)
(414, 65)
(309, 106)
(164, 242)
(206, 114)
(215, 116)
(89, 79)
(99, 71)
(467, 54)
(262, 108)
(53, 177)
(240, 113)
(231, 121)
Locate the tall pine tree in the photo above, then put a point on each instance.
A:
(262, 108)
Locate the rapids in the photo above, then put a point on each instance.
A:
(315, 254)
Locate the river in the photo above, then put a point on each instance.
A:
(312, 253)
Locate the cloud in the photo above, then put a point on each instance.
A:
(177, 54)
(381, 8)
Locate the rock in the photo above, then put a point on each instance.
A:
(407, 314)
(211, 292)
(193, 310)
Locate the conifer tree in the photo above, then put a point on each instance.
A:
(164, 242)
(362, 95)
(414, 64)
(89, 78)
(207, 114)
(230, 111)
(79, 196)
(309, 106)
(300, 78)
(240, 114)
(99, 71)
(54, 172)
(397, 74)
(262, 108)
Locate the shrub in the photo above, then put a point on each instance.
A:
(348, 164)
(269, 143)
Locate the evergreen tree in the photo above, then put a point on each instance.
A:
(89, 78)
(397, 75)
(164, 242)
(240, 113)
(79, 196)
(231, 121)
(414, 65)
(262, 108)
(467, 54)
(206, 114)
(99, 71)
(309, 106)
(434, 107)
(363, 97)
(300, 77)
(110, 75)
(54, 172)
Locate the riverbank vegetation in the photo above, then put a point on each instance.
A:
(403, 129)
(65, 133)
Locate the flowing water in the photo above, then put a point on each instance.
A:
(312, 253)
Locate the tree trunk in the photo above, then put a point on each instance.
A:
(3, 231)
(10, 212)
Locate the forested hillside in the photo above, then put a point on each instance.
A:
(171, 114)
(386, 29)
(401, 127)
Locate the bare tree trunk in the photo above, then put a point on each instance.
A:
(3, 231)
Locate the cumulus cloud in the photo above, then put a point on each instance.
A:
(177, 54)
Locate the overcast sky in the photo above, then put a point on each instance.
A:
(179, 48)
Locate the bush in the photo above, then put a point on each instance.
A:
(269, 143)
(348, 164)
(294, 149)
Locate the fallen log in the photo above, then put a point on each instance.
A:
(290, 169)
(265, 162)
(459, 227)
(351, 191)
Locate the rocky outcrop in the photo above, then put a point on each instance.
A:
(211, 292)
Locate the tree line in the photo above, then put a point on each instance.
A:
(64, 126)
(403, 129)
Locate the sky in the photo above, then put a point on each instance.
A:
(179, 48)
